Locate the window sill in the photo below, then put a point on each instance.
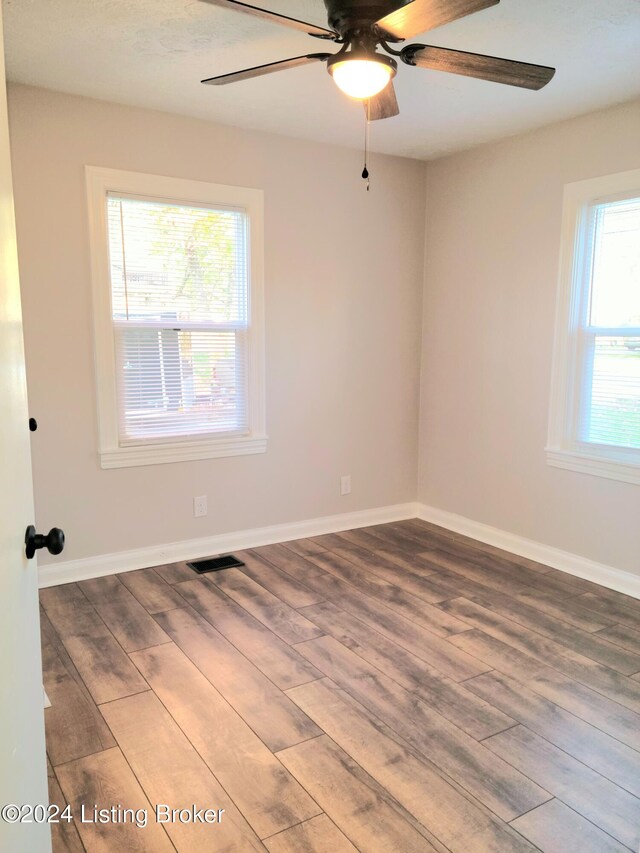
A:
(613, 467)
(159, 454)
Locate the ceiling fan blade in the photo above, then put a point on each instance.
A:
(382, 105)
(417, 16)
(521, 74)
(275, 17)
(269, 68)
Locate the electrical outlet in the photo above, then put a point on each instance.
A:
(345, 484)
(200, 506)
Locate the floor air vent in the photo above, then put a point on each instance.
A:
(215, 564)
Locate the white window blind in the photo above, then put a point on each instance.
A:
(179, 297)
(610, 332)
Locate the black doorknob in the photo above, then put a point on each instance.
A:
(53, 541)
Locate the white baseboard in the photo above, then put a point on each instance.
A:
(68, 571)
(573, 564)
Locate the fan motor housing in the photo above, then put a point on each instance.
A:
(348, 15)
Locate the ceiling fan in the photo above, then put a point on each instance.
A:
(360, 26)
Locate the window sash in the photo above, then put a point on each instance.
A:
(131, 233)
(611, 391)
(166, 395)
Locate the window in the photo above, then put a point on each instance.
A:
(595, 406)
(177, 286)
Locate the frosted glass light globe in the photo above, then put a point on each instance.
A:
(361, 78)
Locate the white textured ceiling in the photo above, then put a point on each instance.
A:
(153, 53)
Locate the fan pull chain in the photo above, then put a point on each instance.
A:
(367, 124)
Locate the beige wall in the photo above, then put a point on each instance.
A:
(344, 273)
(493, 237)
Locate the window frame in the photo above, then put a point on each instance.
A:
(564, 447)
(112, 452)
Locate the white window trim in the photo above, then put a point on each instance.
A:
(112, 454)
(563, 450)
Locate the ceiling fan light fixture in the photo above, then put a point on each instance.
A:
(361, 76)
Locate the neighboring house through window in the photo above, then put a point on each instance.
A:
(177, 284)
(595, 407)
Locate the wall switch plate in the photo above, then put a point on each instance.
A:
(200, 506)
(345, 484)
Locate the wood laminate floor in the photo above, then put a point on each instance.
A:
(394, 688)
